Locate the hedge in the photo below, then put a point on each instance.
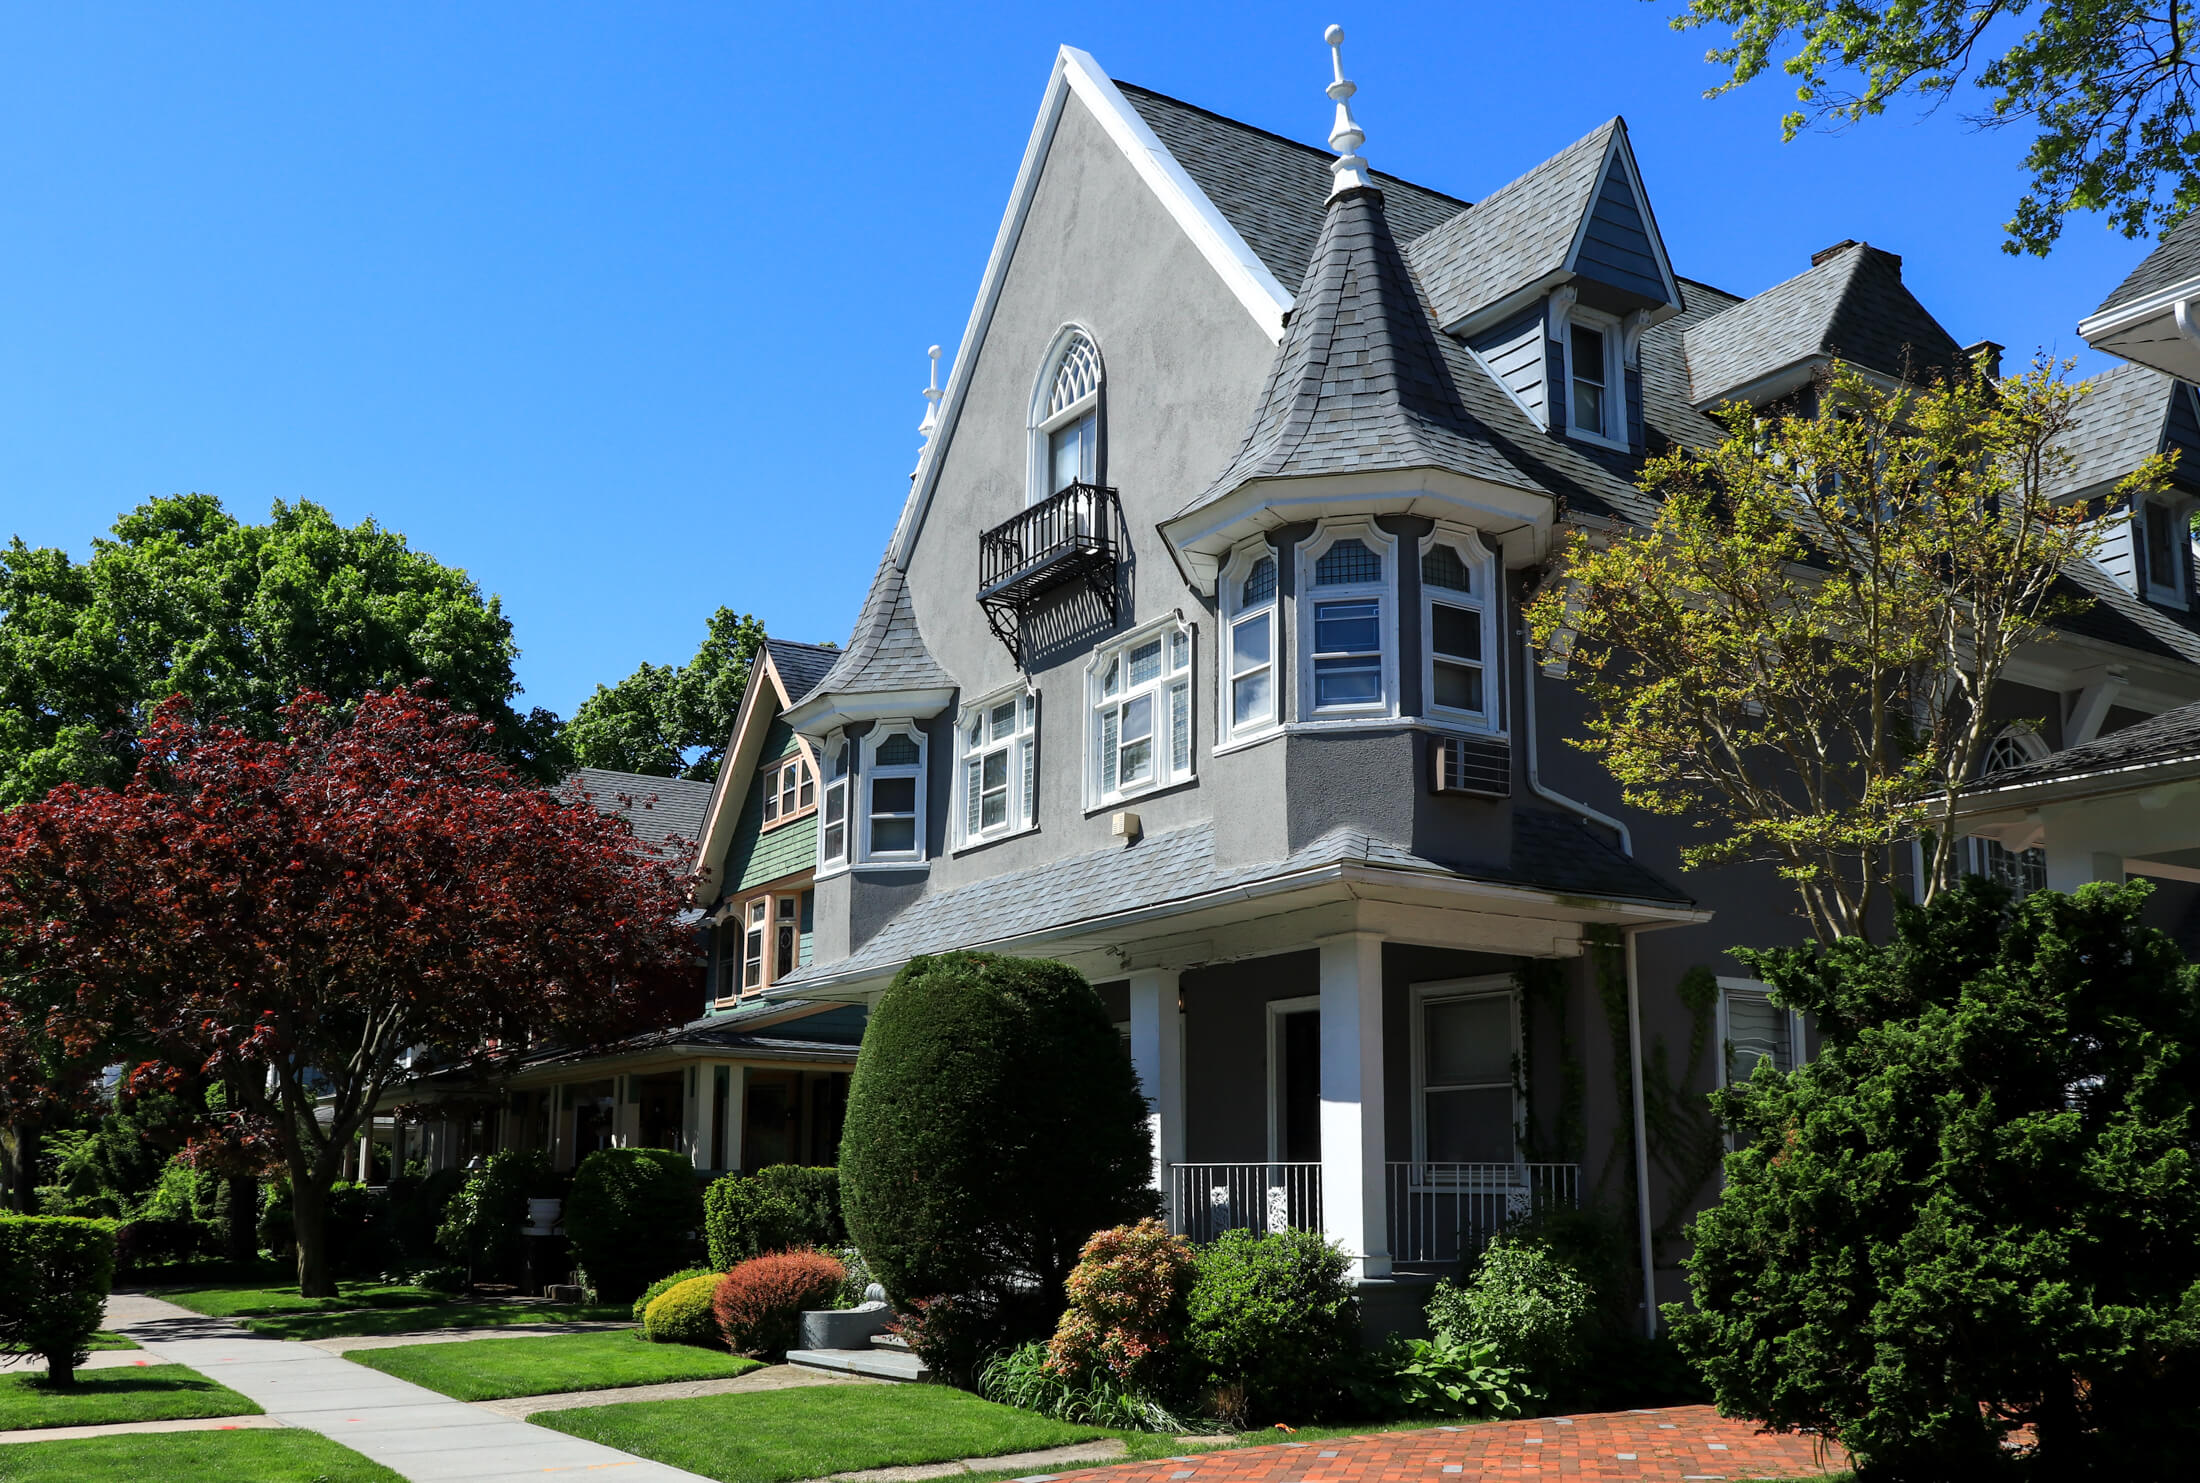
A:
(778, 1207)
(631, 1217)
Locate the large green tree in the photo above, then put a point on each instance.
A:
(182, 597)
(671, 720)
(2105, 88)
(1979, 1207)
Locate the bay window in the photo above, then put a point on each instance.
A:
(893, 788)
(832, 834)
(1250, 701)
(1140, 734)
(1459, 628)
(997, 767)
(1347, 627)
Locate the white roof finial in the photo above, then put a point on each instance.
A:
(1348, 170)
(931, 421)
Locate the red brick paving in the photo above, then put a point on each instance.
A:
(1679, 1442)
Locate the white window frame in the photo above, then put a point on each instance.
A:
(1173, 686)
(1614, 432)
(1234, 612)
(1484, 571)
(2177, 512)
(776, 810)
(1752, 988)
(1306, 632)
(1489, 986)
(828, 865)
(1980, 851)
(1045, 424)
(1020, 743)
(872, 773)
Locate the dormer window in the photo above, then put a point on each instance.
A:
(1459, 618)
(2162, 561)
(1348, 625)
(1596, 384)
(1065, 418)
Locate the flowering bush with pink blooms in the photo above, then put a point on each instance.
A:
(1126, 1308)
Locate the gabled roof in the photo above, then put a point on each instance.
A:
(666, 813)
(1850, 304)
(789, 672)
(2175, 262)
(2132, 413)
(800, 666)
(886, 652)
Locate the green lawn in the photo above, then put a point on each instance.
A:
(772, 1436)
(105, 1340)
(492, 1369)
(256, 1299)
(191, 1457)
(154, 1393)
(443, 1315)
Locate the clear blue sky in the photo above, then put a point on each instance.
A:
(623, 307)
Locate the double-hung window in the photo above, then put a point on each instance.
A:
(1250, 700)
(1458, 613)
(1596, 380)
(786, 935)
(832, 834)
(755, 918)
(893, 784)
(2162, 550)
(790, 790)
(763, 943)
(1141, 729)
(999, 766)
(1348, 629)
(1752, 1028)
(1468, 1041)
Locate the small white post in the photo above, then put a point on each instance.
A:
(1355, 1197)
(1157, 1053)
(699, 1110)
(1348, 171)
(366, 1150)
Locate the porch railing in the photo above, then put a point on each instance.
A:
(1207, 1199)
(1448, 1212)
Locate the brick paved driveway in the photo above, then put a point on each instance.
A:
(1680, 1442)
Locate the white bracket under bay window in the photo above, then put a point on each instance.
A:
(997, 766)
(892, 822)
(1065, 418)
(1466, 1043)
(1251, 703)
(1347, 624)
(832, 831)
(2162, 542)
(1459, 601)
(1140, 733)
(1596, 378)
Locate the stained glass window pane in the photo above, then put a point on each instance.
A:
(1346, 563)
(1146, 662)
(1180, 726)
(897, 751)
(1441, 567)
(1260, 583)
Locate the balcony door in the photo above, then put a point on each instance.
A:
(1295, 1081)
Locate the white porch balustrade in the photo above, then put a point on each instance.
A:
(1435, 1213)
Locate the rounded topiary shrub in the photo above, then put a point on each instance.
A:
(682, 1313)
(665, 1284)
(631, 1217)
(1271, 1323)
(54, 1274)
(993, 1125)
(760, 1303)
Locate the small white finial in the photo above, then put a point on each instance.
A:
(1348, 171)
(931, 399)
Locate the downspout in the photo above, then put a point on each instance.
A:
(1642, 1141)
(1535, 781)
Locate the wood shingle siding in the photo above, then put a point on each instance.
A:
(759, 855)
(1514, 353)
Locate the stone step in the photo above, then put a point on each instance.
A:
(874, 1364)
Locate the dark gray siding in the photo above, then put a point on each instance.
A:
(1616, 248)
(1514, 353)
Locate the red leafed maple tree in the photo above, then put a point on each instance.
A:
(295, 915)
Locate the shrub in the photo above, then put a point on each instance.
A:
(1026, 1377)
(276, 1230)
(859, 1279)
(993, 1125)
(1126, 1308)
(742, 1218)
(760, 1303)
(481, 1224)
(630, 1217)
(144, 1243)
(665, 1284)
(1527, 1305)
(813, 1192)
(417, 1201)
(54, 1275)
(361, 1230)
(1271, 1323)
(684, 1313)
(1443, 1376)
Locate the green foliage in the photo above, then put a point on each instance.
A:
(2106, 88)
(777, 1207)
(630, 1217)
(1526, 1306)
(993, 1125)
(671, 720)
(1026, 1378)
(1979, 1207)
(859, 1278)
(54, 1274)
(1126, 1308)
(241, 618)
(1270, 1324)
(682, 1313)
(482, 1222)
(665, 1284)
(760, 1303)
(1444, 1376)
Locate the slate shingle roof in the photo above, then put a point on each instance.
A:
(1850, 303)
(829, 1035)
(2169, 737)
(655, 807)
(800, 666)
(886, 652)
(1514, 236)
(2177, 259)
(1551, 851)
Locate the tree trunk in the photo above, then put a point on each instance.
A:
(19, 1168)
(60, 1370)
(309, 1217)
(240, 1217)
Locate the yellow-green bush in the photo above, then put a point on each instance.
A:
(682, 1314)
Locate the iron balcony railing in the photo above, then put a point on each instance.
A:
(1448, 1212)
(1207, 1199)
(1072, 536)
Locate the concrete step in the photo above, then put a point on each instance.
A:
(874, 1364)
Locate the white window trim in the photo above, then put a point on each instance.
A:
(828, 867)
(1043, 425)
(871, 772)
(1026, 735)
(1615, 375)
(1277, 1009)
(1227, 732)
(1483, 564)
(1385, 593)
(1755, 988)
(1165, 774)
(2142, 553)
(1489, 986)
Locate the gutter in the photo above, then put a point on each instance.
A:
(1535, 781)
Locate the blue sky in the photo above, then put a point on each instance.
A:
(623, 307)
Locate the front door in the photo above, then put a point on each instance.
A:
(1297, 1116)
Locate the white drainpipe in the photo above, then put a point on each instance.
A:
(1642, 1143)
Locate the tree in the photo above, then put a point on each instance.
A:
(1979, 1207)
(186, 598)
(294, 916)
(1802, 649)
(2106, 86)
(668, 720)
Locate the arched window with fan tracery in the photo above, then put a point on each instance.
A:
(1065, 421)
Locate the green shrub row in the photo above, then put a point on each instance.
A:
(774, 1209)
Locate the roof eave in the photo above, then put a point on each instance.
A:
(821, 713)
(2145, 330)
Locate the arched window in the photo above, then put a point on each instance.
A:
(893, 787)
(1347, 629)
(1459, 628)
(2022, 871)
(1250, 699)
(1065, 418)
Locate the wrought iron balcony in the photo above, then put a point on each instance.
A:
(1073, 536)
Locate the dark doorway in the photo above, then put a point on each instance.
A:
(1299, 1087)
(828, 1112)
(771, 1119)
(662, 1106)
(592, 1109)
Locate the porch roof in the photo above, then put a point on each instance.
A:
(2136, 756)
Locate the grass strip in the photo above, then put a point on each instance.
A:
(191, 1457)
(257, 1299)
(105, 1340)
(102, 1397)
(494, 1369)
(442, 1315)
(774, 1436)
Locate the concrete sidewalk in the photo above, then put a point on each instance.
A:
(423, 1436)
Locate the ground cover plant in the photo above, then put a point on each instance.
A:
(54, 1276)
(778, 1435)
(493, 1369)
(283, 1456)
(100, 1397)
(364, 1322)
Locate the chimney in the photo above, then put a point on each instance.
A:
(1986, 355)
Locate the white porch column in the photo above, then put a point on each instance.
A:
(1157, 1054)
(366, 1150)
(1355, 1207)
(2071, 866)
(699, 1109)
(737, 1093)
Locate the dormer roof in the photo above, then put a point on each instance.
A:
(886, 668)
(2140, 320)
